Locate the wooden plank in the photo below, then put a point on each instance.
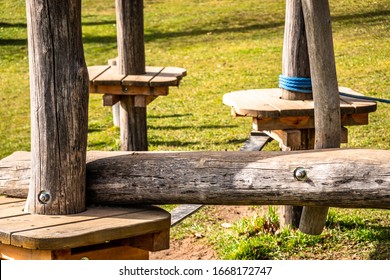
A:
(96, 71)
(5, 201)
(142, 79)
(110, 77)
(249, 103)
(129, 90)
(9, 252)
(282, 123)
(102, 253)
(177, 72)
(10, 225)
(303, 122)
(110, 99)
(93, 231)
(287, 108)
(354, 119)
(169, 76)
(15, 209)
(360, 105)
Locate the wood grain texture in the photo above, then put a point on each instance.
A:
(59, 106)
(133, 125)
(325, 93)
(340, 178)
(96, 225)
(130, 36)
(267, 103)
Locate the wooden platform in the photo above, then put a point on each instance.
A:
(98, 233)
(270, 112)
(156, 81)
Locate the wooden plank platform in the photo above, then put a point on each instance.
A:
(106, 228)
(270, 112)
(156, 80)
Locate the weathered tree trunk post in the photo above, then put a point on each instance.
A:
(325, 94)
(59, 107)
(131, 61)
(295, 55)
(295, 64)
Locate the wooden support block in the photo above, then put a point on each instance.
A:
(113, 61)
(344, 135)
(110, 99)
(140, 101)
(288, 137)
(150, 98)
(151, 242)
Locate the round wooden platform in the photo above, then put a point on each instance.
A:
(270, 112)
(98, 233)
(106, 80)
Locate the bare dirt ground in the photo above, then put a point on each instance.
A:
(193, 248)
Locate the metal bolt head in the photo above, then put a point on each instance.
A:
(44, 197)
(300, 174)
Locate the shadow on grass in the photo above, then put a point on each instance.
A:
(199, 127)
(378, 235)
(170, 116)
(175, 143)
(156, 35)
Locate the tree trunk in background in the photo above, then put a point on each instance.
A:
(59, 107)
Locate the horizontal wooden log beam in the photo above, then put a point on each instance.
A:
(352, 178)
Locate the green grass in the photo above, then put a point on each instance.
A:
(347, 235)
(226, 46)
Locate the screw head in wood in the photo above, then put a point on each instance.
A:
(44, 197)
(300, 174)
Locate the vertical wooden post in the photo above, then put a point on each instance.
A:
(295, 55)
(295, 64)
(325, 94)
(131, 61)
(59, 107)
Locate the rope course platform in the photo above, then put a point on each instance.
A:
(270, 112)
(155, 82)
(99, 233)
